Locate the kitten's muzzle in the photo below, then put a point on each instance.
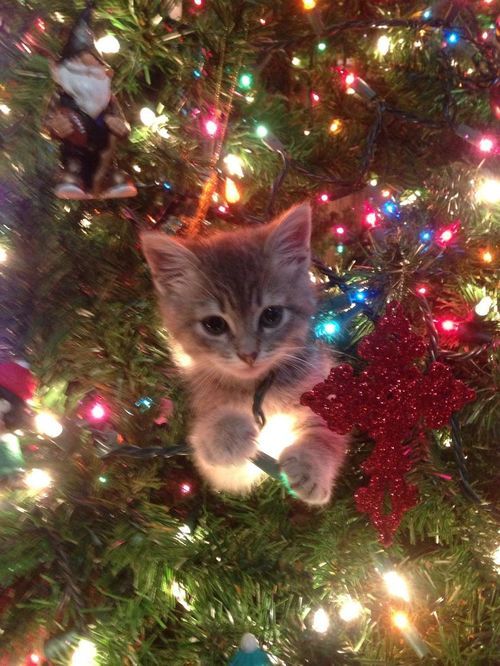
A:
(249, 359)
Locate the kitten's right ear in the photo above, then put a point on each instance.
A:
(172, 264)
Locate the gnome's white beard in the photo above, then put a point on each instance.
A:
(90, 87)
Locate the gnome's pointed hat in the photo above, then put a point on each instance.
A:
(81, 38)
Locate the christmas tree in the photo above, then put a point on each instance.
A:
(112, 548)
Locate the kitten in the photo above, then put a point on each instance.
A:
(238, 305)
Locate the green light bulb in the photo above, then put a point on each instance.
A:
(261, 131)
(322, 46)
(245, 81)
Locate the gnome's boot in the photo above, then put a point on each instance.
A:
(70, 185)
(119, 186)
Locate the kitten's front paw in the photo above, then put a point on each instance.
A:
(307, 473)
(230, 439)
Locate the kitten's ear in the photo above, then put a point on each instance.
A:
(290, 239)
(172, 264)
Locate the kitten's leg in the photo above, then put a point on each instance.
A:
(225, 436)
(313, 462)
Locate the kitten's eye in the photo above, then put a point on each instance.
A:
(271, 316)
(214, 325)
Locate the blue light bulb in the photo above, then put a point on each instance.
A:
(390, 208)
(425, 235)
(360, 295)
(452, 37)
(167, 185)
(327, 329)
(427, 14)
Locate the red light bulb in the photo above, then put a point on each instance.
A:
(315, 98)
(371, 219)
(423, 290)
(324, 197)
(448, 325)
(349, 79)
(340, 230)
(447, 234)
(34, 658)
(186, 488)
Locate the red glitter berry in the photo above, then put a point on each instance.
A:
(393, 402)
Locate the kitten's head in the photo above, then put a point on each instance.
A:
(238, 302)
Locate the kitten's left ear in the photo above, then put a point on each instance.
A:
(290, 239)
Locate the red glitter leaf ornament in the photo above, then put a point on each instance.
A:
(393, 401)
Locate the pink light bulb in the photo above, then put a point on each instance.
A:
(371, 219)
(422, 290)
(211, 127)
(315, 97)
(186, 488)
(486, 145)
(324, 197)
(98, 412)
(340, 230)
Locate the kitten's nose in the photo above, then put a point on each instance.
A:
(249, 359)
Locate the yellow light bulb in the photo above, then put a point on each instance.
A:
(47, 424)
(488, 191)
(108, 44)
(400, 620)
(37, 479)
(350, 609)
(85, 654)
(309, 4)
(396, 585)
(3, 255)
(231, 192)
(484, 306)
(487, 257)
(383, 45)
(147, 116)
(277, 434)
(321, 621)
(335, 126)
(234, 165)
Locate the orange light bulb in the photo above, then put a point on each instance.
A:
(335, 126)
(231, 193)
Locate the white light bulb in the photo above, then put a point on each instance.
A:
(488, 191)
(396, 585)
(5, 109)
(496, 558)
(3, 255)
(47, 424)
(108, 44)
(383, 45)
(234, 165)
(147, 116)
(321, 621)
(37, 479)
(484, 306)
(350, 609)
(164, 133)
(180, 594)
(85, 654)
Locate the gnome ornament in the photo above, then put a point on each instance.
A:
(17, 386)
(86, 118)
